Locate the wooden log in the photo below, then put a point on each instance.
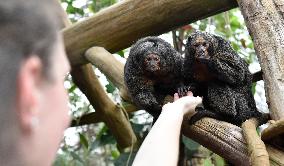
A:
(114, 117)
(118, 26)
(110, 66)
(256, 147)
(90, 118)
(222, 138)
(275, 156)
(264, 20)
(273, 130)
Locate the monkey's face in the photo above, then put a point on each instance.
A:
(200, 46)
(153, 57)
(201, 49)
(152, 63)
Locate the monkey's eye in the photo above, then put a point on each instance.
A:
(205, 44)
(156, 59)
(195, 45)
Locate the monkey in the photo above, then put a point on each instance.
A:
(217, 73)
(152, 71)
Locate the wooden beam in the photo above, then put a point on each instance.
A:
(221, 137)
(120, 25)
(111, 67)
(264, 20)
(114, 117)
(256, 148)
(90, 118)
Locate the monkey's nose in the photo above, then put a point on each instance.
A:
(200, 54)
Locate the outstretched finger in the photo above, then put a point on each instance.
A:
(176, 97)
(189, 93)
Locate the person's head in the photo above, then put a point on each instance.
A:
(33, 105)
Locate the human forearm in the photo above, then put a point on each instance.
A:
(161, 145)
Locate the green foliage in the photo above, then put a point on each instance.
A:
(190, 144)
(97, 5)
(84, 141)
(110, 87)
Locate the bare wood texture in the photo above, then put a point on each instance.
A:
(256, 147)
(264, 19)
(275, 156)
(273, 130)
(110, 66)
(118, 26)
(114, 117)
(221, 137)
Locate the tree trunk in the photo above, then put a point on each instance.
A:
(265, 22)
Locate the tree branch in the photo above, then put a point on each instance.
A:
(110, 66)
(275, 129)
(265, 24)
(256, 147)
(89, 118)
(114, 117)
(118, 26)
(221, 137)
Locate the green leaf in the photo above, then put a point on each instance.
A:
(253, 88)
(103, 130)
(121, 53)
(110, 87)
(70, 9)
(72, 88)
(208, 162)
(115, 153)
(218, 160)
(84, 141)
(189, 143)
(107, 139)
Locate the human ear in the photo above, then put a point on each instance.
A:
(28, 86)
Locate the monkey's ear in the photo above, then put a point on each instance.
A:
(222, 41)
(189, 39)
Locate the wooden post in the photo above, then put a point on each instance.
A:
(264, 20)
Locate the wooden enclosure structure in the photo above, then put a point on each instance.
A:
(117, 27)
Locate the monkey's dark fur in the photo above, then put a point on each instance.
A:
(152, 71)
(221, 76)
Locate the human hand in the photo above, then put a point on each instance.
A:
(185, 105)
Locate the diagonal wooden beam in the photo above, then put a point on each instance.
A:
(118, 26)
(264, 20)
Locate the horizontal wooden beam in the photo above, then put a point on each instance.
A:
(118, 26)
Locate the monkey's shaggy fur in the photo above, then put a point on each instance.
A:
(227, 93)
(148, 89)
